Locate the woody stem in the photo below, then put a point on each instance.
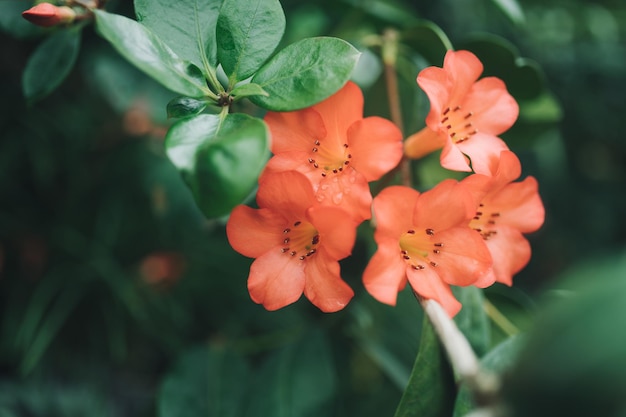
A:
(483, 385)
(390, 55)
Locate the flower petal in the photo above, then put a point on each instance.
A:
(484, 151)
(253, 232)
(446, 205)
(511, 253)
(323, 284)
(463, 69)
(519, 205)
(337, 230)
(434, 81)
(340, 110)
(464, 258)
(276, 280)
(289, 192)
(393, 208)
(347, 190)
(494, 109)
(422, 143)
(385, 273)
(427, 284)
(295, 130)
(453, 159)
(375, 145)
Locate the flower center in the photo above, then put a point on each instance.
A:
(484, 222)
(458, 123)
(420, 248)
(329, 160)
(300, 240)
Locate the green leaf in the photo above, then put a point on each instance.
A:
(50, 64)
(248, 31)
(305, 73)
(12, 22)
(498, 360)
(574, 363)
(431, 387)
(187, 27)
(247, 90)
(146, 51)
(512, 10)
(429, 40)
(472, 319)
(205, 381)
(296, 381)
(219, 160)
(185, 106)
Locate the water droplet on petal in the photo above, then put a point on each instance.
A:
(338, 198)
(324, 187)
(320, 197)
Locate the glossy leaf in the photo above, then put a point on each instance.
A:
(512, 9)
(498, 361)
(50, 64)
(185, 106)
(205, 381)
(247, 90)
(147, 52)
(472, 319)
(305, 73)
(219, 160)
(431, 387)
(187, 27)
(296, 381)
(429, 40)
(248, 31)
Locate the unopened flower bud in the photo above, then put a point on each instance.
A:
(47, 15)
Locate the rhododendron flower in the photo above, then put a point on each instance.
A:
(465, 115)
(296, 242)
(336, 148)
(47, 15)
(425, 238)
(506, 210)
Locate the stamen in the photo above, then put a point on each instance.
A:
(468, 115)
(287, 230)
(445, 119)
(283, 250)
(314, 149)
(316, 165)
(457, 108)
(433, 263)
(298, 223)
(439, 245)
(436, 251)
(345, 145)
(286, 241)
(495, 214)
(417, 267)
(446, 111)
(317, 143)
(430, 232)
(407, 257)
(315, 240)
(292, 253)
(323, 174)
(301, 257)
(411, 232)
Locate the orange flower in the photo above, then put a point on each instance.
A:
(296, 242)
(47, 15)
(336, 148)
(425, 238)
(506, 210)
(465, 115)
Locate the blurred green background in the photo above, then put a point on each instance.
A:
(111, 280)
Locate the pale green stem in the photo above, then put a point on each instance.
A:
(499, 319)
(462, 358)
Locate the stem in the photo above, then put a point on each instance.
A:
(483, 385)
(499, 319)
(390, 55)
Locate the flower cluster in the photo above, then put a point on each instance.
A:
(314, 192)
(312, 195)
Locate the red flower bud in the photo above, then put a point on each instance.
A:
(47, 15)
